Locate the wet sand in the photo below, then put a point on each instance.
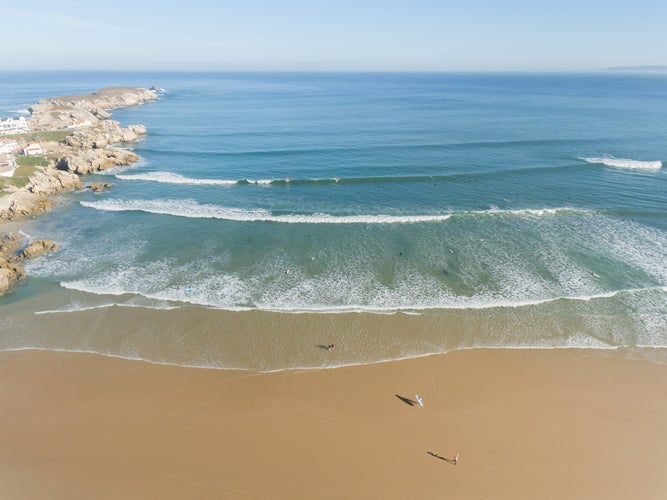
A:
(527, 424)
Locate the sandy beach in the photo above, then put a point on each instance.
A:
(526, 423)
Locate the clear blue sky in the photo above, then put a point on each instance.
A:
(361, 35)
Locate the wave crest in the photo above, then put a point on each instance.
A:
(192, 209)
(625, 163)
(170, 178)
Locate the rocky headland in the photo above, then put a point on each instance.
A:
(87, 149)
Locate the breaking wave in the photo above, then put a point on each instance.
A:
(626, 163)
(170, 178)
(192, 209)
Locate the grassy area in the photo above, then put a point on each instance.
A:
(45, 135)
(31, 161)
(26, 167)
(21, 176)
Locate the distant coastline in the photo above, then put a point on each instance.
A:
(637, 69)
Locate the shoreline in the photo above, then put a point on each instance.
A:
(273, 342)
(621, 351)
(527, 424)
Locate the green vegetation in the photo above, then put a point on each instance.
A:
(45, 135)
(31, 161)
(21, 175)
(26, 167)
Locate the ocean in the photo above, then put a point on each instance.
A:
(391, 214)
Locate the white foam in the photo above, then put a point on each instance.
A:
(74, 308)
(626, 163)
(329, 294)
(113, 171)
(192, 209)
(262, 182)
(531, 211)
(171, 178)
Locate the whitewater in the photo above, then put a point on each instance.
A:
(396, 214)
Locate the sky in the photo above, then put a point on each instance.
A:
(340, 35)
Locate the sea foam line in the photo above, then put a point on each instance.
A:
(192, 209)
(480, 303)
(171, 178)
(75, 309)
(596, 345)
(625, 163)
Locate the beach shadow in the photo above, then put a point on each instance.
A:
(406, 400)
(445, 459)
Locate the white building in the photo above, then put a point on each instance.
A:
(78, 123)
(13, 125)
(8, 145)
(31, 149)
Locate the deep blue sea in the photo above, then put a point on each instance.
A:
(528, 209)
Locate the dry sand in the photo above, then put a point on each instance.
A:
(528, 424)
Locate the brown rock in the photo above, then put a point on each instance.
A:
(99, 186)
(9, 245)
(10, 273)
(86, 161)
(37, 249)
(53, 181)
(24, 203)
(102, 134)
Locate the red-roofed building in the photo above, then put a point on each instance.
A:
(30, 149)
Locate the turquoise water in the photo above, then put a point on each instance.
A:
(535, 197)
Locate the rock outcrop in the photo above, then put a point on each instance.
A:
(24, 204)
(11, 272)
(99, 186)
(37, 249)
(52, 181)
(60, 112)
(88, 161)
(103, 134)
(88, 149)
(9, 244)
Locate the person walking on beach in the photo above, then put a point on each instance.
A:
(420, 401)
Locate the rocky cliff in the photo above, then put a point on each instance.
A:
(88, 149)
